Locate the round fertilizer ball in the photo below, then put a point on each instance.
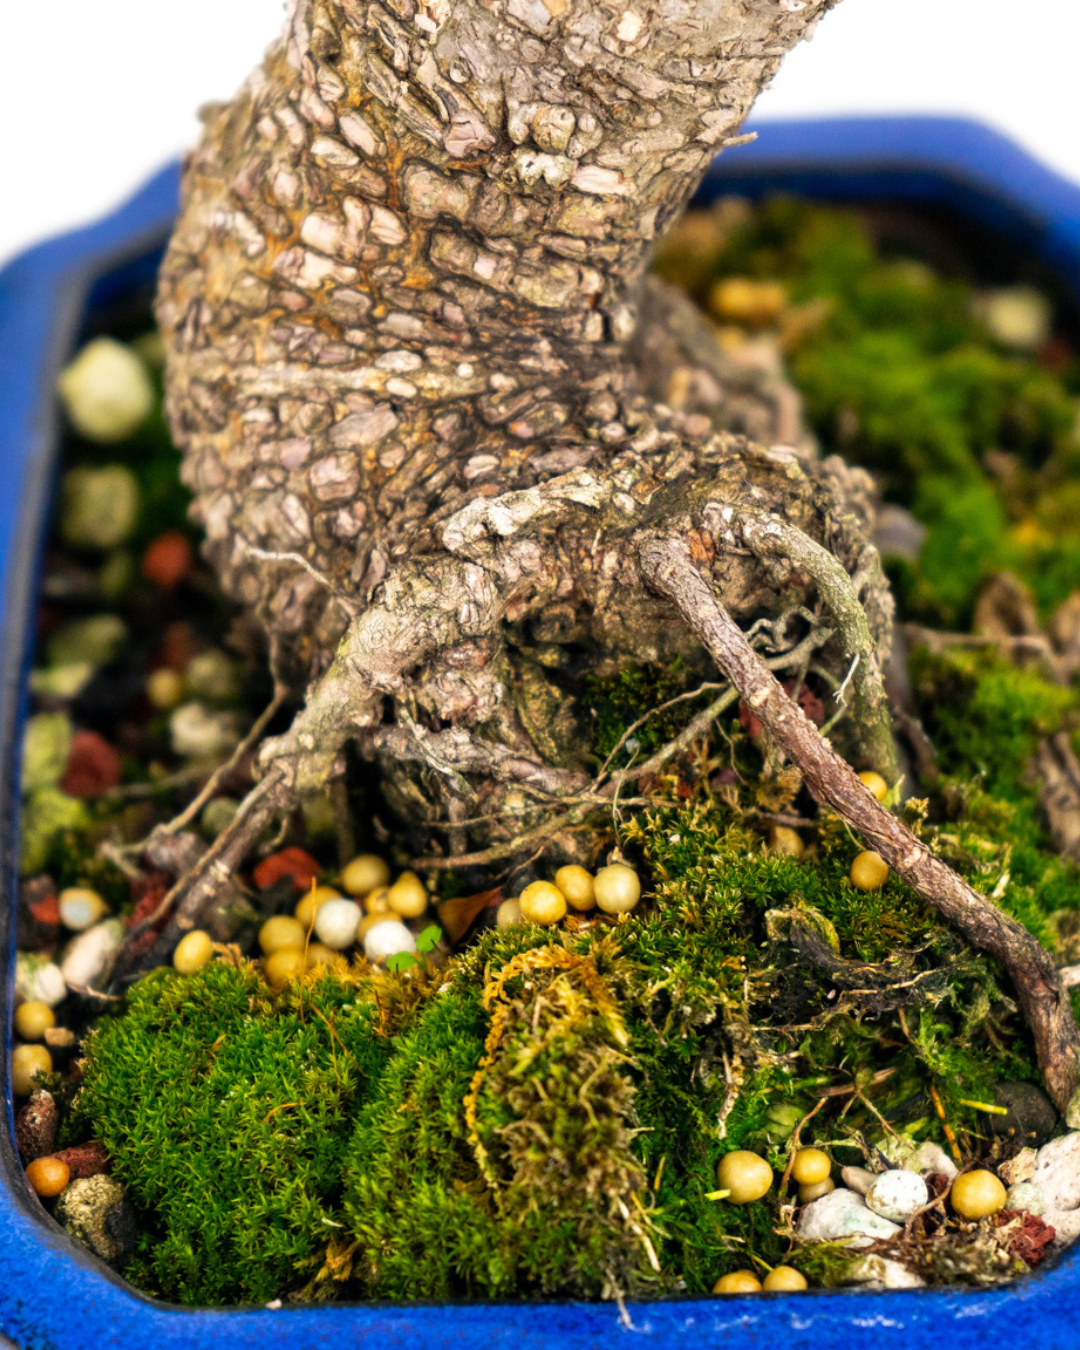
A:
(309, 905)
(193, 951)
(542, 903)
(784, 1279)
(738, 1282)
(164, 689)
(318, 954)
(874, 784)
(378, 901)
(810, 1165)
(746, 1175)
(28, 1064)
(283, 966)
(365, 873)
(48, 1176)
(897, 1194)
(577, 886)
(814, 1190)
(336, 923)
(282, 933)
(33, 1019)
(617, 889)
(387, 938)
(974, 1195)
(786, 842)
(869, 871)
(407, 896)
(106, 391)
(508, 913)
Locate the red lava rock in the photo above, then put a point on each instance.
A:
(37, 897)
(1035, 1236)
(290, 862)
(168, 560)
(937, 1183)
(811, 705)
(93, 766)
(37, 917)
(147, 892)
(46, 910)
(35, 1126)
(85, 1160)
(1054, 354)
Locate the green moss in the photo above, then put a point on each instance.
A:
(415, 1203)
(222, 1110)
(987, 718)
(51, 825)
(546, 1115)
(899, 374)
(611, 704)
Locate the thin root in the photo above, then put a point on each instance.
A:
(668, 566)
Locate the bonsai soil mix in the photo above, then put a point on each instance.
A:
(688, 1034)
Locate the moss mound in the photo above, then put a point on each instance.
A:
(545, 1115)
(222, 1108)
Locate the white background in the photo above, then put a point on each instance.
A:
(96, 94)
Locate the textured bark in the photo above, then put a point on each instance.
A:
(406, 311)
(409, 272)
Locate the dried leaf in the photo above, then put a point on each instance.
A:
(457, 916)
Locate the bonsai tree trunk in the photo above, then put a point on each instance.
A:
(417, 371)
(415, 363)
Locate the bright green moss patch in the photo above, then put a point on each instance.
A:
(986, 719)
(222, 1110)
(545, 1117)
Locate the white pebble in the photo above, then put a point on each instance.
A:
(386, 939)
(1020, 1168)
(1018, 316)
(1025, 1195)
(198, 733)
(89, 957)
(924, 1158)
(38, 980)
(1057, 1172)
(843, 1215)
(879, 1272)
(106, 391)
(80, 908)
(897, 1194)
(336, 923)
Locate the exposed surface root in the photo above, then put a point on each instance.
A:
(668, 564)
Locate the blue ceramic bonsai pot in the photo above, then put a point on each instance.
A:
(53, 1294)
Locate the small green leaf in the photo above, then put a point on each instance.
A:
(429, 937)
(401, 961)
